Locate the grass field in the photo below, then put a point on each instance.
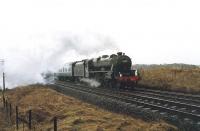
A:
(185, 80)
(73, 114)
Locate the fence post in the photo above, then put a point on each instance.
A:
(4, 103)
(29, 118)
(3, 91)
(23, 125)
(17, 122)
(55, 123)
(10, 111)
(6, 108)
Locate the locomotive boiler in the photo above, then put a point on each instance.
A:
(110, 70)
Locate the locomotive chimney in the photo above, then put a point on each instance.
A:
(119, 53)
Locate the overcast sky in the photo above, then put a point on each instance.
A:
(149, 31)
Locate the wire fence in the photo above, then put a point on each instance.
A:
(14, 117)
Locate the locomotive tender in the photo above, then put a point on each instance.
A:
(114, 70)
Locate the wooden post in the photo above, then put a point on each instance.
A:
(2, 64)
(4, 88)
(10, 110)
(23, 125)
(3, 91)
(4, 100)
(17, 122)
(6, 108)
(55, 123)
(29, 119)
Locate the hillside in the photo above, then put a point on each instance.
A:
(176, 77)
(73, 114)
(173, 66)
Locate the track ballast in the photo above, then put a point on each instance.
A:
(173, 107)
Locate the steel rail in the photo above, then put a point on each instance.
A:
(171, 97)
(197, 97)
(196, 107)
(129, 100)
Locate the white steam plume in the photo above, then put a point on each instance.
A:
(91, 82)
(26, 58)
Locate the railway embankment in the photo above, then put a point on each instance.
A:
(72, 114)
(180, 110)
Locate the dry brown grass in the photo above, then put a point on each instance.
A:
(187, 80)
(73, 114)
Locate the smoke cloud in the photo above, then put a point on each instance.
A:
(91, 82)
(24, 62)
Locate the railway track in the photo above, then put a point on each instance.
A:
(170, 106)
(167, 101)
(173, 95)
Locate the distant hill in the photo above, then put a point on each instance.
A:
(174, 77)
(174, 66)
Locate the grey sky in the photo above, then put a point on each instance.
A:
(34, 34)
(150, 31)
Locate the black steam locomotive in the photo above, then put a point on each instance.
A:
(114, 70)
